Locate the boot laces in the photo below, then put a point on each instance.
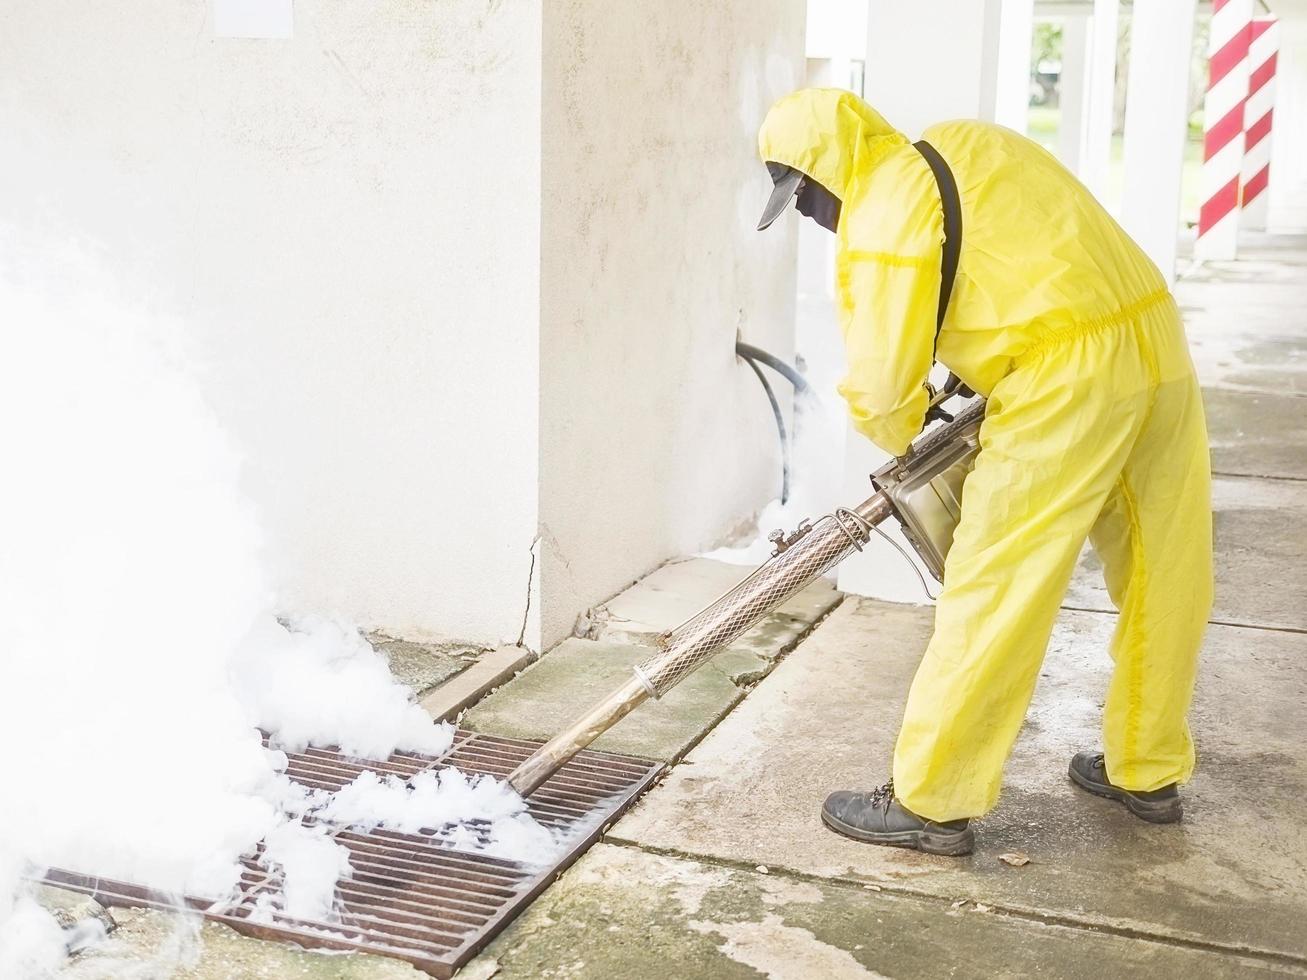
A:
(883, 796)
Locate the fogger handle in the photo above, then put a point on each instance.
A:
(555, 753)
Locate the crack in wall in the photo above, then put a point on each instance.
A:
(530, 583)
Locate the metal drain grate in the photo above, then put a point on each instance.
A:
(412, 896)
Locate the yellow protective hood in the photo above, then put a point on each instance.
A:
(823, 131)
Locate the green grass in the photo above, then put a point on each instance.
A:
(1042, 124)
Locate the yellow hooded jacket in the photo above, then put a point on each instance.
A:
(1039, 255)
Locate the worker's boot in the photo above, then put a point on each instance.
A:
(878, 818)
(1156, 806)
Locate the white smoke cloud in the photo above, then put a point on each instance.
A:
(139, 642)
(816, 462)
(449, 802)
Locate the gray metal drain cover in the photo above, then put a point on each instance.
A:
(412, 896)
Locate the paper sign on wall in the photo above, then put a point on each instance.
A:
(252, 18)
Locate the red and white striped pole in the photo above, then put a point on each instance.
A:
(1223, 137)
(1257, 114)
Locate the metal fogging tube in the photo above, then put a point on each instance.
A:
(798, 562)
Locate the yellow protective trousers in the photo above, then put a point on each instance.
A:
(1097, 432)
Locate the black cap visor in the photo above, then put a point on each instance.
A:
(788, 181)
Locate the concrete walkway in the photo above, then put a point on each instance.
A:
(724, 869)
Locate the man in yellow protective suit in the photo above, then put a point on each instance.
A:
(1093, 428)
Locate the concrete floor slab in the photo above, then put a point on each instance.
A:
(1254, 433)
(74, 910)
(422, 666)
(1245, 328)
(1234, 874)
(1244, 320)
(1275, 366)
(545, 698)
(1261, 549)
(453, 696)
(623, 914)
(676, 591)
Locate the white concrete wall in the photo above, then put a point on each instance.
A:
(1075, 89)
(654, 438)
(347, 225)
(1156, 121)
(836, 29)
(1010, 24)
(1287, 205)
(816, 246)
(955, 82)
(933, 60)
(1100, 99)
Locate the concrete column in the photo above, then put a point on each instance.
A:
(1073, 91)
(982, 59)
(821, 72)
(835, 28)
(1100, 96)
(902, 37)
(1161, 41)
(1010, 24)
(1287, 206)
(816, 268)
(655, 440)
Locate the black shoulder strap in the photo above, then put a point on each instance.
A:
(952, 204)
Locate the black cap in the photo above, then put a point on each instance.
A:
(787, 181)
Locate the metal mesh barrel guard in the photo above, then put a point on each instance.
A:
(684, 649)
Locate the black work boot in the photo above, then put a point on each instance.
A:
(1155, 806)
(878, 818)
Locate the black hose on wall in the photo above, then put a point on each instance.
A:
(780, 428)
(753, 356)
(751, 353)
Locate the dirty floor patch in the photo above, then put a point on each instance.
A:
(624, 914)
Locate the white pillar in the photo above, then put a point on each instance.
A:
(1101, 96)
(1287, 206)
(1009, 26)
(835, 28)
(816, 263)
(902, 37)
(1073, 92)
(983, 57)
(1161, 40)
(598, 308)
